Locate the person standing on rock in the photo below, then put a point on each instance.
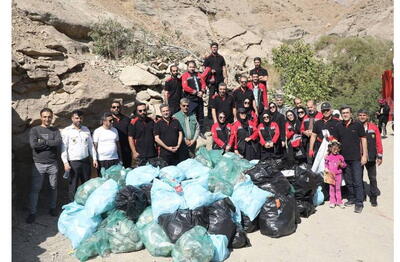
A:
(173, 90)
(191, 130)
(45, 141)
(218, 73)
(168, 134)
(141, 138)
(76, 150)
(259, 92)
(375, 153)
(222, 102)
(121, 123)
(261, 72)
(106, 142)
(354, 150)
(194, 86)
(240, 94)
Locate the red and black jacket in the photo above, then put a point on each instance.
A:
(192, 83)
(262, 95)
(268, 133)
(374, 142)
(220, 135)
(240, 133)
(306, 121)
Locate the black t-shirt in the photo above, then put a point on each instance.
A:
(223, 105)
(122, 126)
(168, 133)
(261, 72)
(174, 87)
(239, 96)
(141, 130)
(350, 137)
(216, 62)
(330, 125)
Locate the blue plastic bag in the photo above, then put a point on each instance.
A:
(76, 224)
(249, 198)
(172, 173)
(102, 199)
(142, 175)
(221, 251)
(193, 168)
(237, 216)
(196, 195)
(318, 197)
(164, 199)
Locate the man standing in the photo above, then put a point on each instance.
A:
(194, 86)
(76, 148)
(190, 128)
(375, 153)
(240, 94)
(282, 108)
(352, 134)
(44, 141)
(262, 73)
(168, 135)
(141, 138)
(121, 123)
(173, 90)
(307, 126)
(259, 92)
(383, 116)
(222, 102)
(106, 142)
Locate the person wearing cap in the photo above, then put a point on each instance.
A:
(324, 128)
(383, 116)
(261, 72)
(268, 132)
(375, 153)
(351, 135)
(244, 136)
(221, 132)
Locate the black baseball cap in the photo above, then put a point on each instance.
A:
(325, 106)
(242, 110)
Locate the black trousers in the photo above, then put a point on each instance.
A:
(186, 152)
(107, 164)
(80, 170)
(373, 185)
(171, 158)
(382, 124)
(126, 158)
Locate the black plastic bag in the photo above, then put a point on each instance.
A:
(240, 239)
(157, 162)
(220, 218)
(182, 220)
(258, 174)
(147, 190)
(248, 225)
(277, 184)
(304, 208)
(278, 216)
(305, 183)
(133, 200)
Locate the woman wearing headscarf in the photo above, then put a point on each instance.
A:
(251, 114)
(244, 136)
(294, 138)
(221, 132)
(280, 120)
(269, 134)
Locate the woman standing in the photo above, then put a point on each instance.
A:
(221, 132)
(280, 120)
(269, 134)
(295, 150)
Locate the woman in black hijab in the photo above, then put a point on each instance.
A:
(295, 150)
(221, 132)
(268, 132)
(280, 120)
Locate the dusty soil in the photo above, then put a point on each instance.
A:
(328, 235)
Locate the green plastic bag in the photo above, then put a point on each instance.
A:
(97, 244)
(208, 157)
(115, 172)
(123, 236)
(218, 184)
(156, 240)
(86, 189)
(113, 216)
(145, 218)
(194, 245)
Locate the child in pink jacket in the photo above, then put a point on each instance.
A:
(334, 163)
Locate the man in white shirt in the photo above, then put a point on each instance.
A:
(106, 142)
(76, 148)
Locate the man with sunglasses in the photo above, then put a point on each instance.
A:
(121, 123)
(140, 136)
(173, 89)
(240, 94)
(106, 142)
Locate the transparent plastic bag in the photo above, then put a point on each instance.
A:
(86, 189)
(156, 240)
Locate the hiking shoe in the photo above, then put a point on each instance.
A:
(349, 203)
(332, 205)
(373, 201)
(358, 209)
(342, 206)
(30, 219)
(53, 212)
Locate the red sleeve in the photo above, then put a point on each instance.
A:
(215, 137)
(254, 136)
(250, 85)
(233, 137)
(378, 140)
(262, 140)
(264, 96)
(277, 132)
(254, 119)
(289, 134)
(302, 128)
(319, 116)
(185, 85)
(206, 72)
(203, 85)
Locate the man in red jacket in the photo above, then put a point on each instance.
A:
(375, 153)
(194, 86)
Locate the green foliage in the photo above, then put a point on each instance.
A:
(302, 75)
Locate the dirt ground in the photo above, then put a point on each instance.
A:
(328, 235)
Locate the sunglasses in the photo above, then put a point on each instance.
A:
(184, 105)
(325, 110)
(243, 82)
(301, 112)
(142, 110)
(221, 117)
(246, 103)
(272, 107)
(265, 117)
(114, 107)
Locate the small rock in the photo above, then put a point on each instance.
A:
(143, 96)
(154, 94)
(53, 81)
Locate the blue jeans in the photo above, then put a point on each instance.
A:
(353, 177)
(39, 171)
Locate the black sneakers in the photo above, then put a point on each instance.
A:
(30, 219)
(349, 203)
(358, 209)
(53, 212)
(373, 201)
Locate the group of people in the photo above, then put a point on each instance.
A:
(244, 122)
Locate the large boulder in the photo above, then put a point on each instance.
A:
(137, 76)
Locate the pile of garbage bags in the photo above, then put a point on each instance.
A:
(199, 210)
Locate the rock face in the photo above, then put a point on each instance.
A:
(136, 76)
